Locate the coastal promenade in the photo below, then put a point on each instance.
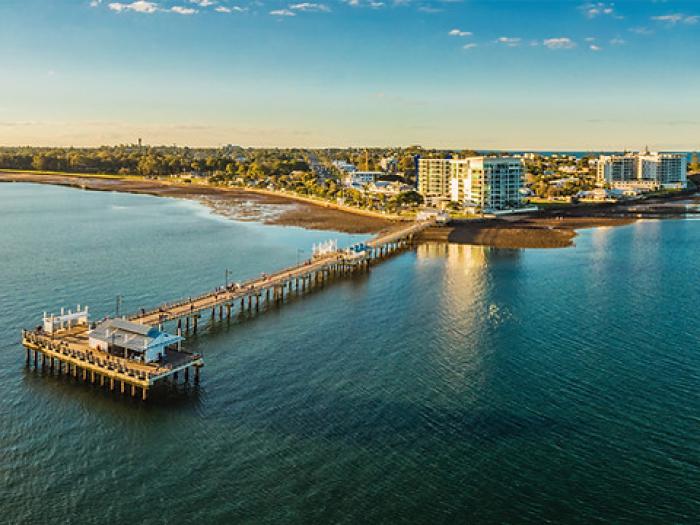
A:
(68, 350)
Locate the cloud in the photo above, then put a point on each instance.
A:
(559, 43)
(183, 10)
(237, 9)
(594, 47)
(677, 18)
(429, 9)
(644, 31)
(596, 9)
(139, 6)
(459, 32)
(469, 46)
(361, 3)
(617, 41)
(282, 12)
(509, 41)
(309, 7)
(95, 3)
(203, 3)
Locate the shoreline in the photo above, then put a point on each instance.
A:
(237, 203)
(554, 228)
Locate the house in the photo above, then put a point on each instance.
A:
(438, 216)
(131, 340)
(361, 177)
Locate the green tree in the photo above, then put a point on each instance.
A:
(695, 163)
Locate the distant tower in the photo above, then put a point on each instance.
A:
(139, 142)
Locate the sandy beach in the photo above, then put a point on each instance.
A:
(546, 229)
(235, 203)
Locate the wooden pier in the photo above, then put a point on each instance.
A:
(68, 349)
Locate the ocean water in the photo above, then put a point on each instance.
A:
(453, 384)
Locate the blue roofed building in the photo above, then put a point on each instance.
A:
(132, 340)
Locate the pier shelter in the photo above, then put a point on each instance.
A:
(131, 340)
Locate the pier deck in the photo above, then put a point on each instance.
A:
(69, 349)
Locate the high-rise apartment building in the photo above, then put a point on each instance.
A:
(668, 170)
(434, 177)
(489, 183)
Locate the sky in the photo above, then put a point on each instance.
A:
(481, 74)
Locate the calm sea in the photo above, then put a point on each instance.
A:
(453, 384)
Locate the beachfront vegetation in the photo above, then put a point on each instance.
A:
(307, 173)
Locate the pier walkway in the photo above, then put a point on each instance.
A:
(69, 349)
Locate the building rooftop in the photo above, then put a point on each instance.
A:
(133, 336)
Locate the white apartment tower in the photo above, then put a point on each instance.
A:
(668, 170)
(489, 183)
(617, 168)
(434, 177)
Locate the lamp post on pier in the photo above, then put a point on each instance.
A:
(226, 273)
(118, 305)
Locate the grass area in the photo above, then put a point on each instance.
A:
(546, 204)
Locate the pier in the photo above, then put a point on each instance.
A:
(132, 354)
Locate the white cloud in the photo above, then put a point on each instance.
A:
(470, 46)
(617, 41)
(306, 6)
(459, 32)
(509, 41)
(677, 18)
(644, 31)
(183, 10)
(202, 3)
(139, 6)
(559, 43)
(235, 8)
(594, 47)
(282, 12)
(95, 3)
(362, 3)
(595, 9)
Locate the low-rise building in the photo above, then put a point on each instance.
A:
(344, 166)
(361, 177)
(131, 340)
